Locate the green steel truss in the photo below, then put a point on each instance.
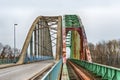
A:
(71, 21)
(68, 39)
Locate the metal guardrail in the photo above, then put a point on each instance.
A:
(54, 72)
(14, 60)
(106, 72)
(32, 59)
(7, 61)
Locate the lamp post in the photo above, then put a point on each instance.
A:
(14, 39)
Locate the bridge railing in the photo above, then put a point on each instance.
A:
(33, 59)
(54, 73)
(106, 72)
(8, 61)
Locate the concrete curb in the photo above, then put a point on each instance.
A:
(7, 65)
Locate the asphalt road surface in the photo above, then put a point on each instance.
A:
(24, 72)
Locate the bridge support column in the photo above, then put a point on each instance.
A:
(31, 47)
(59, 38)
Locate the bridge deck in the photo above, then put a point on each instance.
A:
(24, 72)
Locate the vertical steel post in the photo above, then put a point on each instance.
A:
(31, 47)
(37, 45)
(49, 43)
(38, 41)
(41, 42)
(59, 38)
(50, 48)
(34, 43)
(45, 38)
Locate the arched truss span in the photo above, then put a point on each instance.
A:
(78, 38)
(44, 34)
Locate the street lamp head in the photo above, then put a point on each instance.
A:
(15, 24)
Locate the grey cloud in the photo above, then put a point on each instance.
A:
(99, 22)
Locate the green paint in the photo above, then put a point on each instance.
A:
(68, 39)
(106, 72)
(73, 38)
(71, 21)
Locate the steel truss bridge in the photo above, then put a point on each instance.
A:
(45, 49)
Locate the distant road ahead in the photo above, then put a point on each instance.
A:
(24, 72)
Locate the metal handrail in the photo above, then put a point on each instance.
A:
(54, 72)
(106, 72)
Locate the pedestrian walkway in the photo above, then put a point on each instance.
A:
(7, 65)
(65, 75)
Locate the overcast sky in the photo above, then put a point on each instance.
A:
(101, 18)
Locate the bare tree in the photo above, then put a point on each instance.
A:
(92, 49)
(107, 53)
(5, 51)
